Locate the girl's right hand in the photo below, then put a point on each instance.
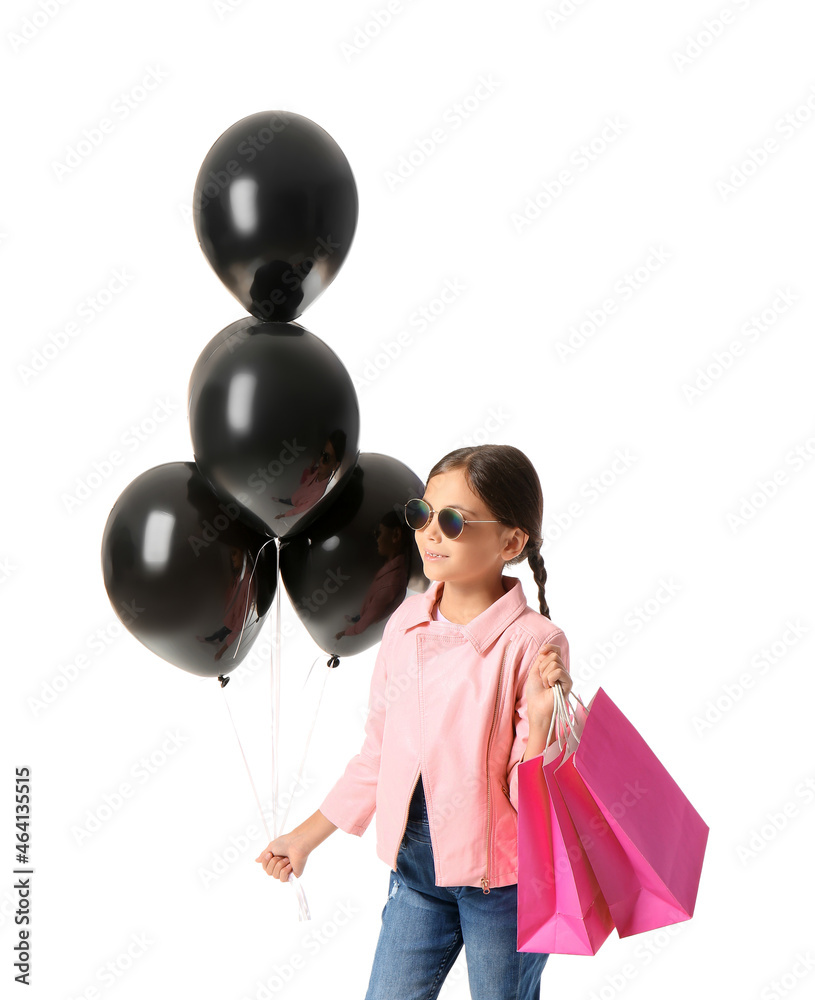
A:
(285, 854)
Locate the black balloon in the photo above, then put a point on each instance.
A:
(274, 421)
(350, 569)
(177, 566)
(275, 209)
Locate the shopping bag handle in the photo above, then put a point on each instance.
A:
(555, 715)
(560, 714)
(565, 698)
(565, 715)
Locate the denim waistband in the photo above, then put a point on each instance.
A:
(417, 813)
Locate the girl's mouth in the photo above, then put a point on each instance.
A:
(434, 555)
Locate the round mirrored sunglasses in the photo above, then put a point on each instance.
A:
(419, 513)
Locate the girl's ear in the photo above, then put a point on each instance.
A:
(517, 536)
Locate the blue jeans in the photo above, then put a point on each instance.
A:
(424, 927)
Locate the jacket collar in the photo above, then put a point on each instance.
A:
(485, 628)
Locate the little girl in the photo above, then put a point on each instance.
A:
(461, 693)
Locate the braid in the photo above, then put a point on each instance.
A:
(535, 560)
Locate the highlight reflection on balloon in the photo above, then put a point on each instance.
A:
(178, 569)
(274, 421)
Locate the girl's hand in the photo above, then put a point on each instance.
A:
(285, 854)
(547, 669)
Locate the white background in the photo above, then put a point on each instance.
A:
(669, 580)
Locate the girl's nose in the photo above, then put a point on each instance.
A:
(431, 529)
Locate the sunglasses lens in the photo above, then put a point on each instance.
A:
(417, 513)
(451, 522)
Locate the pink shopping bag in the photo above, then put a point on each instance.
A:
(644, 839)
(561, 909)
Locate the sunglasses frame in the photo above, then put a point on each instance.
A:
(464, 520)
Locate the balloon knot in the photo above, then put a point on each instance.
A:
(224, 680)
(334, 662)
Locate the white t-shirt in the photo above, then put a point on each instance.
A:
(439, 616)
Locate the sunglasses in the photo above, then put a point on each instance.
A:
(419, 513)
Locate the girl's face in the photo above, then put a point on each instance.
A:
(328, 461)
(480, 551)
(388, 540)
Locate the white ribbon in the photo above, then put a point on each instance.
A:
(303, 908)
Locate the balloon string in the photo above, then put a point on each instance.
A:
(303, 912)
(248, 593)
(298, 776)
(276, 670)
(246, 764)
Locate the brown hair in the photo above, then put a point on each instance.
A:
(508, 484)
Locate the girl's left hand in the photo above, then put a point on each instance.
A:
(547, 669)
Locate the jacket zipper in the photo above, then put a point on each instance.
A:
(404, 825)
(485, 881)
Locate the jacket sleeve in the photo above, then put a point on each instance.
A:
(351, 803)
(521, 719)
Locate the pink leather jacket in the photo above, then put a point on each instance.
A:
(447, 702)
